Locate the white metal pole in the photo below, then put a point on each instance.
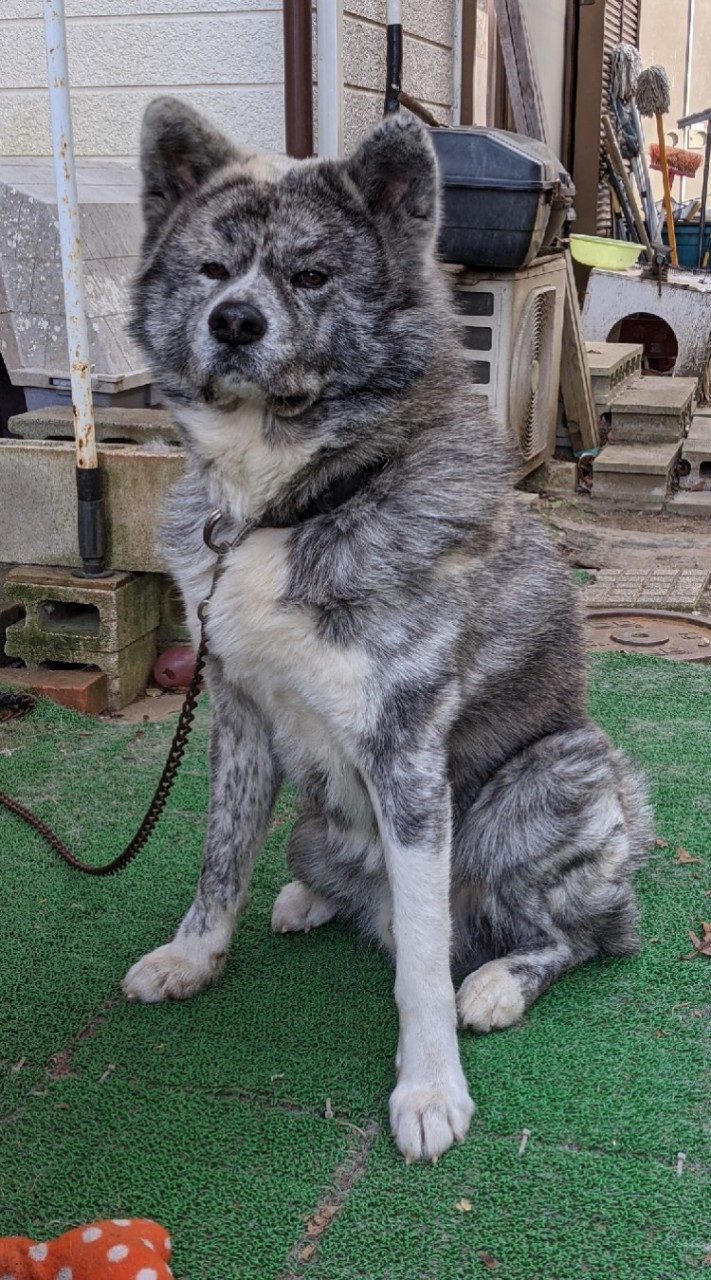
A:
(69, 232)
(329, 27)
(690, 16)
(457, 63)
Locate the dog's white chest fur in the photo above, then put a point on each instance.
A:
(315, 694)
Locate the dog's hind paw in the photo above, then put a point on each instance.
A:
(298, 909)
(171, 973)
(490, 998)
(427, 1120)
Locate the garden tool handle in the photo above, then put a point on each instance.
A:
(618, 165)
(671, 230)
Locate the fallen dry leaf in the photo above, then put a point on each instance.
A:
(702, 946)
(464, 1206)
(307, 1252)
(661, 844)
(488, 1260)
(683, 856)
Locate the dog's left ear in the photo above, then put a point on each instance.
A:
(395, 171)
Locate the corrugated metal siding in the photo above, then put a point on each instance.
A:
(621, 25)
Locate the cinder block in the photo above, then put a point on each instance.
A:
(109, 623)
(635, 477)
(612, 365)
(85, 691)
(38, 508)
(652, 410)
(76, 616)
(684, 503)
(113, 425)
(697, 446)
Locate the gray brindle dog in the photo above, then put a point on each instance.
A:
(396, 637)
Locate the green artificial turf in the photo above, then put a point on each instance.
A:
(252, 1122)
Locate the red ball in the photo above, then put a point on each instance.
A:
(174, 668)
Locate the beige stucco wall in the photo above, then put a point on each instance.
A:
(223, 56)
(663, 40)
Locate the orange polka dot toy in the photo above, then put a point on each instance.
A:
(122, 1249)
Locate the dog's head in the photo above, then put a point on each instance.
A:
(292, 282)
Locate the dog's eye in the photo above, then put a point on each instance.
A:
(214, 271)
(309, 279)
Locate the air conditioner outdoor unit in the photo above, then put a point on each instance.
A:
(512, 331)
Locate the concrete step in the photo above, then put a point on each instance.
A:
(113, 425)
(635, 476)
(697, 447)
(684, 503)
(651, 410)
(612, 365)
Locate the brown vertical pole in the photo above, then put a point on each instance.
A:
(298, 79)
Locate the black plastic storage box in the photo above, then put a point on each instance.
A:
(506, 197)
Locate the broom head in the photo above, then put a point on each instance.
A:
(680, 163)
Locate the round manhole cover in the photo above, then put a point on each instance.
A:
(667, 635)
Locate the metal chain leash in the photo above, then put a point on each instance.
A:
(177, 746)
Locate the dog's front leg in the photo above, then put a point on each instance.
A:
(243, 784)
(430, 1107)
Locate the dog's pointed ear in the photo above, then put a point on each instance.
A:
(179, 151)
(395, 170)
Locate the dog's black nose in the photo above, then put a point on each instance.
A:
(237, 323)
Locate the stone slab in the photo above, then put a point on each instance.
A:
(655, 394)
(85, 691)
(651, 410)
(690, 504)
(634, 477)
(638, 459)
(655, 588)
(112, 425)
(38, 520)
(68, 618)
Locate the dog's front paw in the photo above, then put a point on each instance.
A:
(298, 909)
(427, 1119)
(490, 998)
(172, 972)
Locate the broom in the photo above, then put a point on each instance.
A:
(680, 163)
(653, 99)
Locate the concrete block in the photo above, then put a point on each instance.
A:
(690, 504)
(112, 425)
(697, 446)
(109, 623)
(635, 477)
(652, 410)
(70, 619)
(84, 691)
(555, 476)
(612, 365)
(38, 502)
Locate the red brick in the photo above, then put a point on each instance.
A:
(85, 691)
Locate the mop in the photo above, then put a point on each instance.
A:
(653, 99)
(625, 69)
